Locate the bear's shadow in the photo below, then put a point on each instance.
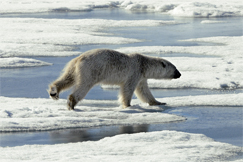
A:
(140, 109)
(132, 109)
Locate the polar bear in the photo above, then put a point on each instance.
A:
(105, 66)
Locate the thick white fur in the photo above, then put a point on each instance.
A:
(104, 66)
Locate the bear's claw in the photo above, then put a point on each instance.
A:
(156, 103)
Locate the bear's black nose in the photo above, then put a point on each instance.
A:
(53, 94)
(177, 74)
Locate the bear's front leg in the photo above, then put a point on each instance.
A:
(143, 93)
(79, 93)
(71, 102)
(53, 92)
(126, 92)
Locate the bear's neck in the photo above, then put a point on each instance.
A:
(149, 67)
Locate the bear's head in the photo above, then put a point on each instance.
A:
(162, 69)
(169, 71)
(53, 92)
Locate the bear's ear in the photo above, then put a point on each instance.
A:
(163, 64)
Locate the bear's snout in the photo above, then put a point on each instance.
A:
(177, 74)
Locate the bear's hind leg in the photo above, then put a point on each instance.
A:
(71, 102)
(143, 93)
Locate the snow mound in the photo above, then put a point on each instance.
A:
(164, 146)
(16, 62)
(205, 9)
(21, 114)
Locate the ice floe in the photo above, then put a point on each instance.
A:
(22, 114)
(205, 100)
(207, 9)
(60, 37)
(16, 62)
(164, 146)
(227, 46)
(212, 22)
(185, 8)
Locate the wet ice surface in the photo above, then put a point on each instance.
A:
(220, 122)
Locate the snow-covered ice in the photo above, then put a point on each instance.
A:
(219, 66)
(224, 71)
(60, 37)
(208, 9)
(21, 62)
(186, 8)
(206, 100)
(165, 146)
(212, 22)
(22, 114)
(224, 47)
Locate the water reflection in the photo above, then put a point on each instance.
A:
(94, 134)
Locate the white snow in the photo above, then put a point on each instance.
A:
(185, 8)
(224, 71)
(227, 47)
(212, 22)
(205, 100)
(208, 9)
(16, 62)
(60, 37)
(166, 146)
(22, 114)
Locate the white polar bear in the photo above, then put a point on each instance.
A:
(104, 66)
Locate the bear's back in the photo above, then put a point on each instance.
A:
(104, 57)
(109, 66)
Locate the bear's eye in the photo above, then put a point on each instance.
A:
(163, 64)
